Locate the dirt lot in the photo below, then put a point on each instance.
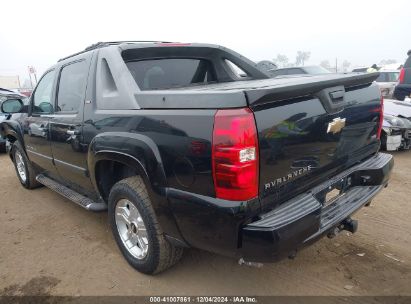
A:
(49, 246)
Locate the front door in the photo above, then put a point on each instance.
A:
(66, 125)
(36, 127)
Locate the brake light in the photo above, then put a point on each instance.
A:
(402, 75)
(381, 111)
(235, 154)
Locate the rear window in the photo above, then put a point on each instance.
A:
(167, 73)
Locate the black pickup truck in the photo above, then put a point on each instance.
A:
(191, 145)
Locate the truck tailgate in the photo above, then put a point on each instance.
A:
(309, 130)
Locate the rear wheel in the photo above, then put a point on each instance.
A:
(24, 168)
(136, 230)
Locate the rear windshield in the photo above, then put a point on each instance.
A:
(156, 74)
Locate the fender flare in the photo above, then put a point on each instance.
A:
(130, 149)
(14, 129)
(141, 153)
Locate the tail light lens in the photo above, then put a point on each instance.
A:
(235, 154)
(381, 111)
(402, 75)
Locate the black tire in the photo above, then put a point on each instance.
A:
(30, 181)
(3, 147)
(160, 254)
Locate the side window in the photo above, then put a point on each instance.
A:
(42, 97)
(237, 71)
(72, 86)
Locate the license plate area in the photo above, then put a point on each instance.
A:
(332, 196)
(332, 193)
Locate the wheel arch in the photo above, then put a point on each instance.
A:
(13, 132)
(130, 153)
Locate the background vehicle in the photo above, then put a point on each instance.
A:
(387, 82)
(310, 70)
(6, 95)
(403, 88)
(396, 131)
(193, 145)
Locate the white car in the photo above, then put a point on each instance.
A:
(387, 81)
(396, 128)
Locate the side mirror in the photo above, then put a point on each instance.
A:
(10, 106)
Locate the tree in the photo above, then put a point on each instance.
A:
(281, 60)
(325, 64)
(302, 57)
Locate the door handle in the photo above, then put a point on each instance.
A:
(73, 132)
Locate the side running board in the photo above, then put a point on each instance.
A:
(72, 195)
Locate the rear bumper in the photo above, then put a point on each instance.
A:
(304, 219)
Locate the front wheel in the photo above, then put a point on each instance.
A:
(136, 230)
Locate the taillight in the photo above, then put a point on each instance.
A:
(402, 75)
(381, 111)
(235, 154)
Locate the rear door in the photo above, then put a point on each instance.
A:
(36, 126)
(66, 125)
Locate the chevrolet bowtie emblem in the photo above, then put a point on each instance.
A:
(336, 125)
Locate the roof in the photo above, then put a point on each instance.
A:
(135, 44)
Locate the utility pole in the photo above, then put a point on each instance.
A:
(336, 65)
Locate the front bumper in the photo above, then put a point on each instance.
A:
(306, 218)
(396, 138)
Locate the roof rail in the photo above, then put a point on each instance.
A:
(107, 43)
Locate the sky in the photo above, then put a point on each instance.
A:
(38, 33)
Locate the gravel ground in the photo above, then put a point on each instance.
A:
(49, 246)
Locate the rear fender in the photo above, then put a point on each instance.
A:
(140, 153)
